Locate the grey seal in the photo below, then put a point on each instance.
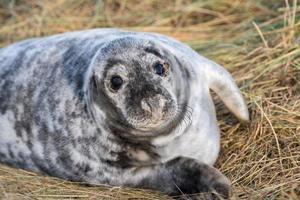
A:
(115, 107)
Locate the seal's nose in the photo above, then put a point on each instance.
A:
(154, 105)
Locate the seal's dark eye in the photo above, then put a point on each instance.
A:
(116, 82)
(159, 69)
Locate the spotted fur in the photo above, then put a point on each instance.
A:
(59, 116)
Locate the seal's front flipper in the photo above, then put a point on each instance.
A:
(220, 81)
(181, 177)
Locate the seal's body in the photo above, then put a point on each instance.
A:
(114, 107)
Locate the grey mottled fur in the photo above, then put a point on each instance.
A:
(59, 116)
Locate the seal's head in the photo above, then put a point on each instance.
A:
(139, 84)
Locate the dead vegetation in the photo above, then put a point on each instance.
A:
(257, 40)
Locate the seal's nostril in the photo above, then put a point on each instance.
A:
(145, 105)
(162, 102)
(155, 106)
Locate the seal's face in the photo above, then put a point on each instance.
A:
(137, 81)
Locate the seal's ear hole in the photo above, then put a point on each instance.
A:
(94, 82)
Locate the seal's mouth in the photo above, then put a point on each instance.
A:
(180, 117)
(149, 122)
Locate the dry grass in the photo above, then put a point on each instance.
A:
(258, 41)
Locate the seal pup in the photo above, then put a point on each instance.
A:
(115, 107)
